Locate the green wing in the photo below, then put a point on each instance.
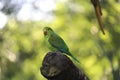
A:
(57, 42)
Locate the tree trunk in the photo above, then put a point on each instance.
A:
(57, 66)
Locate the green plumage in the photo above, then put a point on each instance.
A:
(55, 42)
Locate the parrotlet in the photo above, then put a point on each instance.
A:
(55, 42)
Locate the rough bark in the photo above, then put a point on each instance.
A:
(57, 66)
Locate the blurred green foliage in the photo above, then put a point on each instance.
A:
(22, 46)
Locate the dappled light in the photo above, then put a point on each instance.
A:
(22, 45)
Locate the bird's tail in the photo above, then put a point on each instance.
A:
(73, 57)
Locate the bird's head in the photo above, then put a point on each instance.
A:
(47, 31)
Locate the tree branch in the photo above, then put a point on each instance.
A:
(57, 66)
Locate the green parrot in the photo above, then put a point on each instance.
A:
(55, 42)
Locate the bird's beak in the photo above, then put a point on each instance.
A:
(45, 32)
